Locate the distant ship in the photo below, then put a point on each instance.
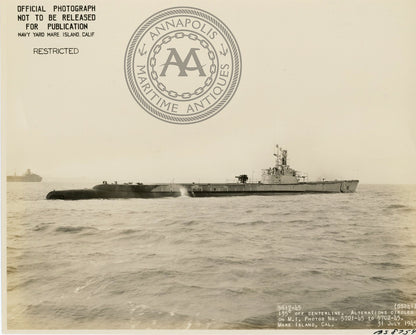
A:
(280, 179)
(27, 177)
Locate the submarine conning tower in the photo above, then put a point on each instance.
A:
(281, 173)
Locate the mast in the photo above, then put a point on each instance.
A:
(278, 156)
(284, 157)
(281, 157)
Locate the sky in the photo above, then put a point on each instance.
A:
(333, 82)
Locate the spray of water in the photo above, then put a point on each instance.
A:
(184, 192)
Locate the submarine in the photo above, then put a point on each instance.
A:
(279, 179)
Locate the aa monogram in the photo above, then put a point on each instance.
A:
(182, 65)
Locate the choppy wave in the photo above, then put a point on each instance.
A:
(212, 263)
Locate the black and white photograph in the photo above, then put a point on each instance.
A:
(228, 166)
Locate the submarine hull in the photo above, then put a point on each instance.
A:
(114, 191)
(93, 194)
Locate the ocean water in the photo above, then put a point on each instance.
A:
(206, 263)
